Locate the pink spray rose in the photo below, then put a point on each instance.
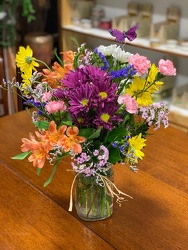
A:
(166, 68)
(55, 106)
(131, 104)
(141, 63)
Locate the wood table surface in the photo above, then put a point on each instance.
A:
(37, 217)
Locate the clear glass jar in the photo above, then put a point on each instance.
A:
(92, 199)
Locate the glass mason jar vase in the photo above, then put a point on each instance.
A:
(92, 199)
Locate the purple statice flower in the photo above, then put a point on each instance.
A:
(121, 148)
(114, 144)
(156, 114)
(38, 105)
(106, 117)
(103, 58)
(129, 71)
(81, 99)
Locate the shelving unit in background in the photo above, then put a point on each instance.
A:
(94, 37)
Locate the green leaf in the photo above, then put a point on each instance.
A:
(86, 132)
(90, 133)
(68, 123)
(114, 155)
(21, 156)
(116, 134)
(66, 119)
(53, 173)
(58, 58)
(38, 171)
(96, 134)
(42, 125)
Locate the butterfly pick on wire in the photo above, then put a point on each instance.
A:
(120, 36)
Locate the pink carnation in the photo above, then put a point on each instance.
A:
(166, 68)
(131, 104)
(141, 63)
(55, 106)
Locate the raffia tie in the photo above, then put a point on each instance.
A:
(113, 191)
(111, 188)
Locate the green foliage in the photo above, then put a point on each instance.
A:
(28, 10)
(21, 156)
(42, 125)
(114, 155)
(8, 23)
(116, 134)
(90, 133)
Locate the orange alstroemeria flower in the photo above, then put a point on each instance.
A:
(72, 141)
(68, 56)
(51, 78)
(39, 150)
(39, 154)
(28, 144)
(53, 135)
(54, 77)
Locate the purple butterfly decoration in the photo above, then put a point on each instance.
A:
(129, 34)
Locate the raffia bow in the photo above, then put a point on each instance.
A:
(111, 188)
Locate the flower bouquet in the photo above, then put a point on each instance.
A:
(96, 106)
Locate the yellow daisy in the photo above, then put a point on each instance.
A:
(136, 144)
(25, 60)
(152, 73)
(151, 79)
(26, 79)
(136, 89)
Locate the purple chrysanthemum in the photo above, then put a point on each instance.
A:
(106, 116)
(82, 75)
(74, 79)
(95, 74)
(81, 99)
(60, 93)
(104, 92)
(81, 119)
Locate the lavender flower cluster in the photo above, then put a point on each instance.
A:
(93, 162)
(156, 114)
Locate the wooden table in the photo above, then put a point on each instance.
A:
(33, 217)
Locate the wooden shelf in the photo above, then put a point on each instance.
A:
(139, 42)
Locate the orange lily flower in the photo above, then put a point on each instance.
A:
(72, 141)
